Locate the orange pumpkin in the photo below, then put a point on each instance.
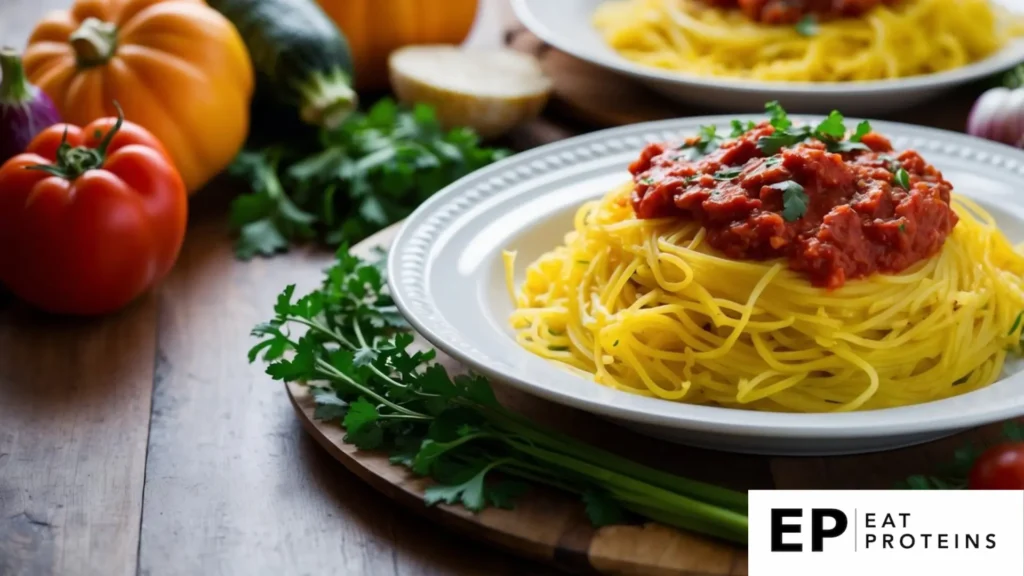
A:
(176, 67)
(375, 28)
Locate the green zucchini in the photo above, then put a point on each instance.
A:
(299, 55)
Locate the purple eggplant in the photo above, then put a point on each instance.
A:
(25, 110)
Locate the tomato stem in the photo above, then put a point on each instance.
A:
(94, 42)
(73, 161)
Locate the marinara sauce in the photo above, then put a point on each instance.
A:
(791, 11)
(856, 218)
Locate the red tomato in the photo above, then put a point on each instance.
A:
(90, 218)
(999, 468)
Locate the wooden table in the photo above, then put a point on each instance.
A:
(143, 443)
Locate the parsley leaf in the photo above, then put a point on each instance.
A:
(468, 489)
(505, 493)
(808, 26)
(771, 145)
(831, 127)
(329, 406)
(794, 200)
(739, 128)
(707, 141)
(777, 115)
(862, 130)
(902, 178)
(844, 146)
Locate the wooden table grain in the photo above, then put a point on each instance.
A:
(143, 443)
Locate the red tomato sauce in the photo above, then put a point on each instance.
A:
(791, 11)
(858, 219)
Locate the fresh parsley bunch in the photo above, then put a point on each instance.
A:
(350, 347)
(369, 173)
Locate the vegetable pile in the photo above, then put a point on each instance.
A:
(178, 68)
(356, 357)
(370, 172)
(198, 81)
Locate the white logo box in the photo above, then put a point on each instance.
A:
(887, 532)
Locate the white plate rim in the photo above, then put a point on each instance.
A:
(406, 278)
(1011, 55)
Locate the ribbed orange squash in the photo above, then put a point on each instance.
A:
(176, 67)
(375, 28)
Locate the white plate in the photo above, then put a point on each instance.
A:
(566, 25)
(447, 277)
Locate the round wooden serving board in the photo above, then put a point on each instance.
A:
(551, 526)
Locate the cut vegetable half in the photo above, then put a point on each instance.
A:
(491, 91)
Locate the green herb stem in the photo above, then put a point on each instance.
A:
(686, 523)
(629, 489)
(567, 445)
(313, 324)
(538, 474)
(333, 373)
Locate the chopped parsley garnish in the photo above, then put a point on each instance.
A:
(648, 181)
(771, 145)
(794, 200)
(704, 145)
(902, 179)
(832, 126)
(862, 130)
(772, 162)
(739, 128)
(891, 162)
(777, 114)
(900, 176)
(903, 228)
(844, 146)
(807, 26)
(831, 131)
(728, 173)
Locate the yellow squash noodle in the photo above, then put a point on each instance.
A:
(909, 38)
(646, 306)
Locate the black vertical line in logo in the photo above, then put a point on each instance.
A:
(854, 529)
